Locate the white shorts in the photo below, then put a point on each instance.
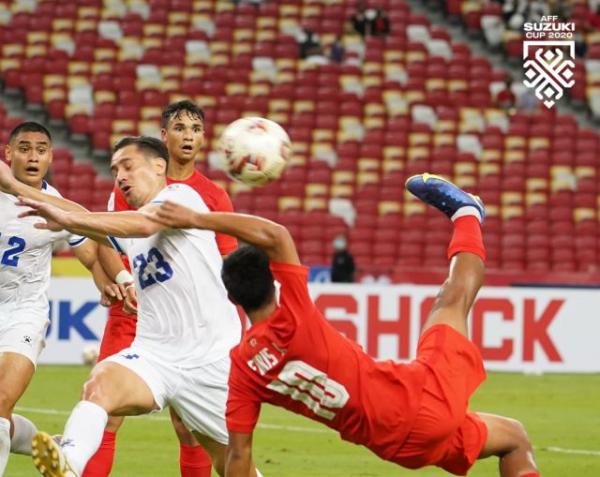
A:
(23, 331)
(198, 395)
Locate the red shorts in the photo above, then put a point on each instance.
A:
(444, 433)
(119, 333)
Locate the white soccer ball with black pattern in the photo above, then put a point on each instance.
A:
(255, 151)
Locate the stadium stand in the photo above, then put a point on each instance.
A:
(504, 27)
(410, 102)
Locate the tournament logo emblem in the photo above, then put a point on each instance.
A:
(548, 54)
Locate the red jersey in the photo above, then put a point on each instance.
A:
(214, 196)
(297, 360)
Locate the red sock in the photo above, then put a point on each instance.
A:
(101, 462)
(531, 474)
(194, 461)
(467, 237)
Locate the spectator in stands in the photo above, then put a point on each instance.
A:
(505, 97)
(337, 51)
(536, 10)
(342, 265)
(515, 11)
(315, 56)
(525, 99)
(308, 41)
(380, 24)
(359, 19)
(580, 44)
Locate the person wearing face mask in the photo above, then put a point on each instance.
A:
(342, 264)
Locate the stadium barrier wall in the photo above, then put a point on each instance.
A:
(517, 329)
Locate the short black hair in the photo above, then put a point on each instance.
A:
(175, 110)
(148, 145)
(248, 278)
(28, 126)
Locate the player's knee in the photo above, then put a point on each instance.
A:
(517, 438)
(519, 433)
(95, 389)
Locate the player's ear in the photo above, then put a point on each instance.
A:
(163, 135)
(7, 150)
(160, 166)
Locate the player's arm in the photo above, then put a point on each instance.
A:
(96, 225)
(10, 185)
(112, 265)
(273, 238)
(88, 254)
(238, 457)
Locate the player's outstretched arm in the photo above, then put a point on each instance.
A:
(10, 185)
(238, 457)
(96, 225)
(273, 238)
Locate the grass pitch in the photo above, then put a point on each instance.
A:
(561, 413)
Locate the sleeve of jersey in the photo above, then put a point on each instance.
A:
(76, 240)
(294, 284)
(243, 406)
(294, 299)
(226, 243)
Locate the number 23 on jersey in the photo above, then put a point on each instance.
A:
(151, 268)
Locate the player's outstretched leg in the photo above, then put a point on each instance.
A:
(508, 440)
(466, 249)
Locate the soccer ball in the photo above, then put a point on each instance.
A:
(90, 355)
(255, 151)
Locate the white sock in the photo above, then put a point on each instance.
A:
(83, 434)
(466, 210)
(4, 443)
(258, 474)
(23, 432)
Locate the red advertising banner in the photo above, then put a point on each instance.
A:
(517, 329)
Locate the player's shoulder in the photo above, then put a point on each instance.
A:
(177, 188)
(205, 185)
(181, 193)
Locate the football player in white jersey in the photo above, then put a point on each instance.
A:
(186, 324)
(25, 258)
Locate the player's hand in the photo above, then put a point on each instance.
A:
(55, 217)
(172, 215)
(112, 293)
(7, 180)
(130, 300)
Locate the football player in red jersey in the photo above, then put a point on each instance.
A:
(413, 414)
(183, 133)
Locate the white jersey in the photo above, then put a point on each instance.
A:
(184, 314)
(25, 256)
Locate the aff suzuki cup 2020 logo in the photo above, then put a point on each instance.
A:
(548, 54)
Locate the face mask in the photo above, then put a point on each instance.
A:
(339, 244)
